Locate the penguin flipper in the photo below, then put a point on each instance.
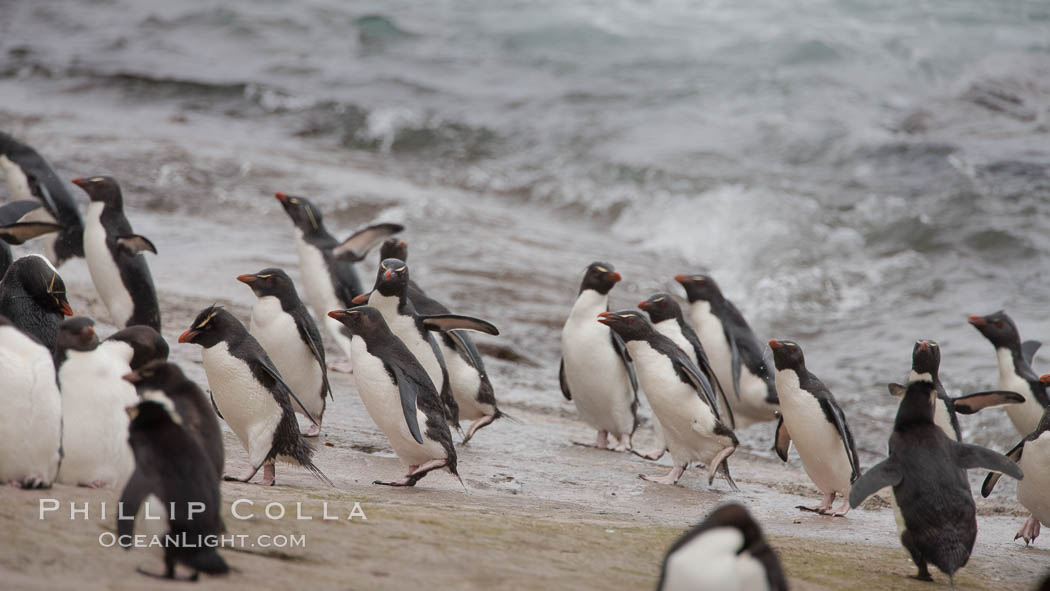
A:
(139, 486)
(993, 477)
(896, 390)
(838, 419)
(19, 232)
(885, 473)
(465, 345)
(16, 211)
(621, 350)
(279, 383)
(309, 333)
(135, 243)
(409, 391)
(215, 406)
(781, 439)
(685, 368)
(448, 322)
(972, 403)
(1028, 350)
(360, 242)
(705, 366)
(562, 381)
(737, 361)
(969, 456)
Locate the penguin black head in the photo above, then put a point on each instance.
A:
(392, 278)
(787, 355)
(149, 414)
(917, 405)
(77, 334)
(103, 189)
(147, 344)
(925, 358)
(629, 324)
(364, 321)
(156, 375)
(40, 281)
(700, 287)
(304, 214)
(997, 328)
(269, 282)
(393, 248)
(601, 277)
(210, 327)
(661, 307)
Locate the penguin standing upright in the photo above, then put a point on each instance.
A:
(811, 418)
(733, 350)
(250, 394)
(927, 471)
(327, 265)
(468, 380)
(596, 372)
(289, 336)
(94, 396)
(31, 424)
(171, 466)
(29, 176)
(682, 398)
(390, 297)
(399, 396)
(1015, 369)
(925, 361)
(114, 256)
(33, 297)
(164, 382)
(726, 551)
(1032, 454)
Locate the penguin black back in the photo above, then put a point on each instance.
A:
(33, 296)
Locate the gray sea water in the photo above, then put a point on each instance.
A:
(856, 174)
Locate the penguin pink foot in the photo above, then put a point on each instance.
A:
(269, 475)
(653, 455)
(823, 507)
(842, 510)
(1029, 531)
(476, 425)
(672, 477)
(624, 445)
(96, 484)
(342, 366)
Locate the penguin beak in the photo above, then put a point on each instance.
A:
(282, 197)
(402, 244)
(339, 314)
(132, 377)
(359, 299)
(977, 320)
(644, 305)
(775, 344)
(87, 333)
(682, 278)
(66, 309)
(388, 275)
(247, 278)
(1045, 378)
(924, 346)
(188, 336)
(615, 277)
(607, 318)
(80, 182)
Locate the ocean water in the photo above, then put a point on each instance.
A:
(856, 175)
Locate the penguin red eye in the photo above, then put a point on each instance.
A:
(998, 324)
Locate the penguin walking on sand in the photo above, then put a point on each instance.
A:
(327, 265)
(114, 256)
(33, 298)
(925, 361)
(468, 380)
(145, 343)
(811, 418)
(30, 177)
(289, 336)
(390, 297)
(596, 372)
(94, 396)
(165, 383)
(733, 350)
(173, 468)
(399, 396)
(682, 398)
(250, 394)
(725, 551)
(927, 471)
(31, 424)
(1015, 369)
(1032, 454)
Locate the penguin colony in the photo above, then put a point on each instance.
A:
(116, 413)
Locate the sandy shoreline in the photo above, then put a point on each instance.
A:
(539, 512)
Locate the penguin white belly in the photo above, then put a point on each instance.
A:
(382, 400)
(598, 380)
(104, 271)
(465, 383)
(279, 336)
(710, 561)
(670, 329)
(943, 419)
(818, 442)
(95, 423)
(688, 424)
(404, 328)
(1032, 490)
(317, 284)
(248, 407)
(1024, 416)
(31, 424)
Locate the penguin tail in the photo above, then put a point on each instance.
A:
(452, 470)
(502, 415)
(209, 561)
(317, 472)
